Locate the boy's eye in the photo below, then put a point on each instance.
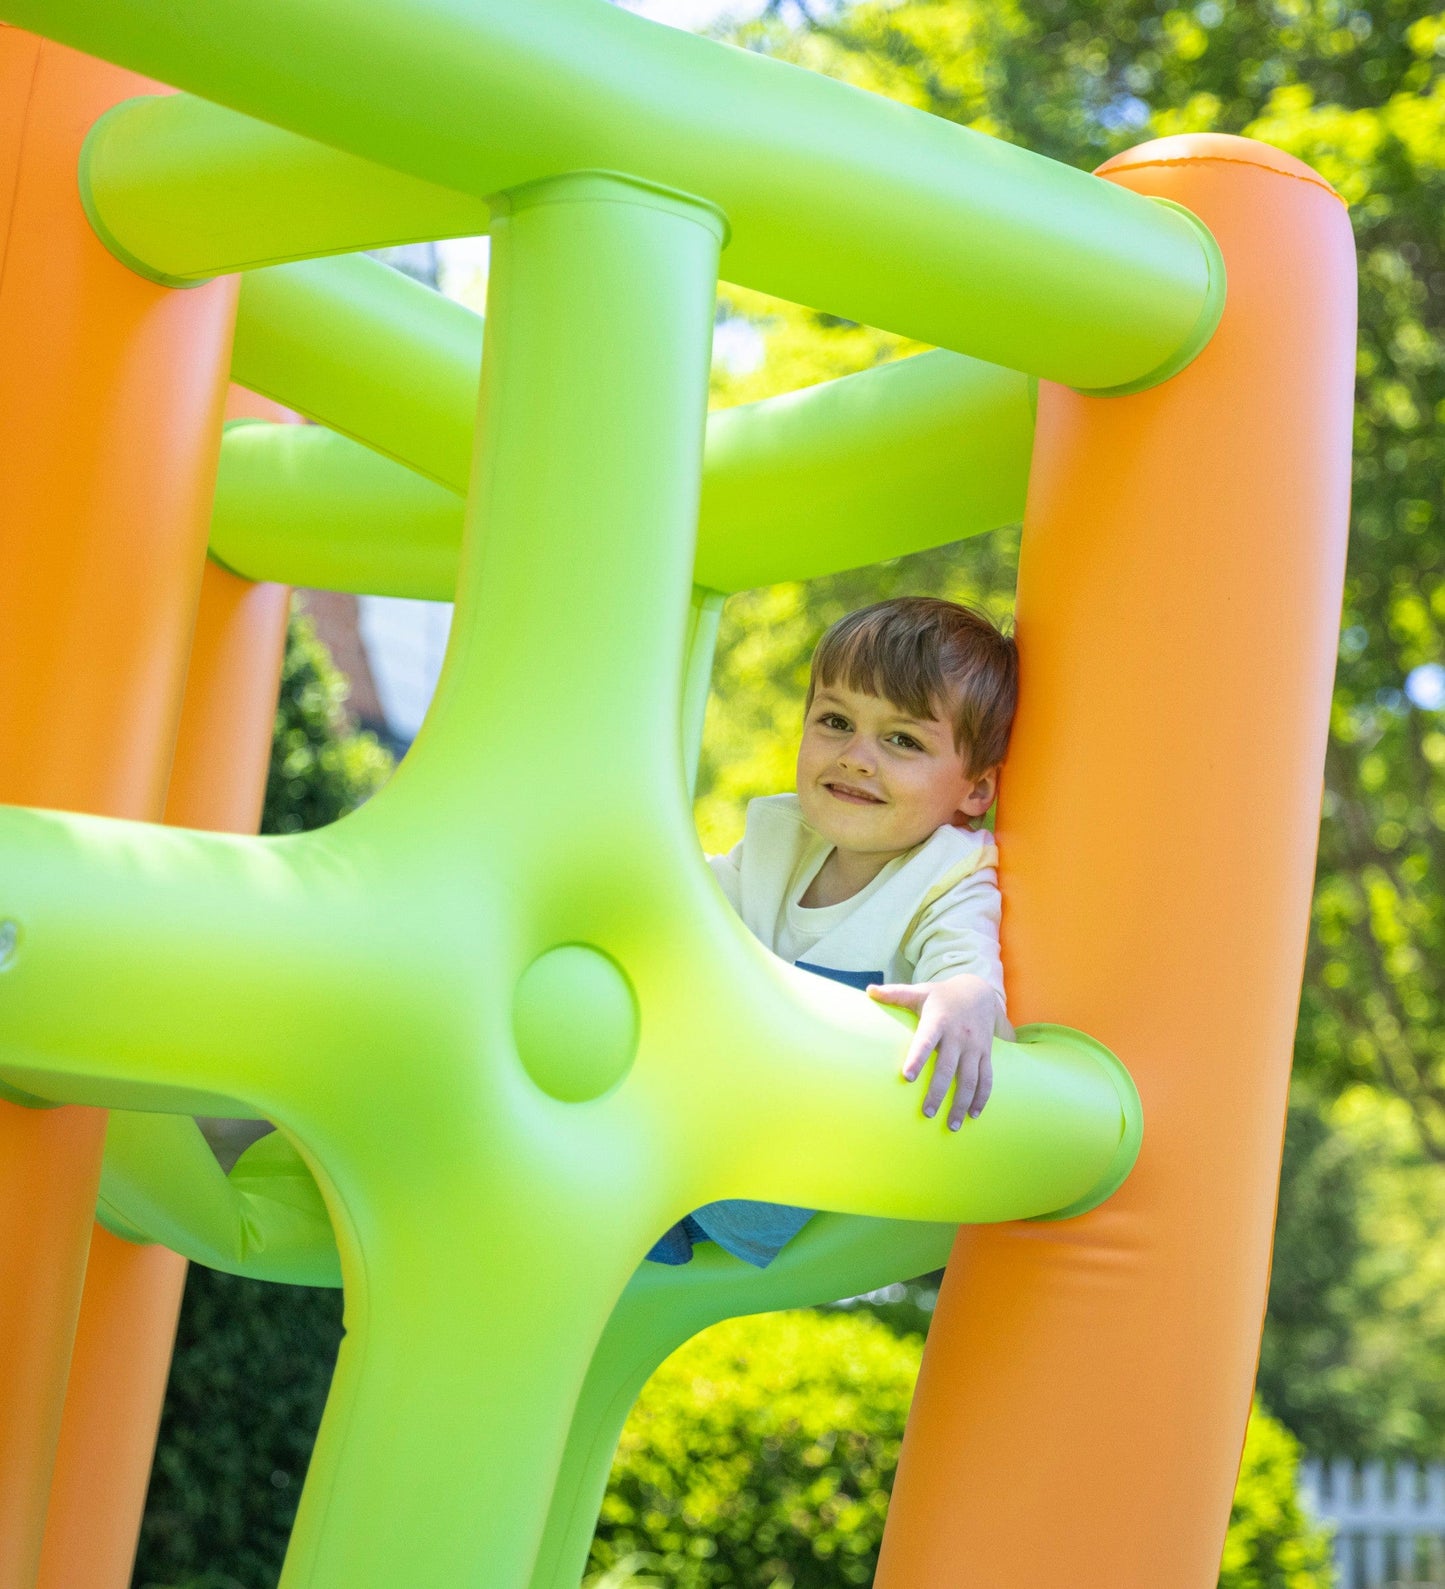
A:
(834, 720)
(906, 741)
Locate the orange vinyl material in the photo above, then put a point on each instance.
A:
(219, 779)
(110, 401)
(133, 1294)
(112, 1410)
(1084, 1394)
(49, 1175)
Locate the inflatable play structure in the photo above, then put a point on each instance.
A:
(503, 1018)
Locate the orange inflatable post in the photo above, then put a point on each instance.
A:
(1083, 1399)
(133, 1294)
(110, 394)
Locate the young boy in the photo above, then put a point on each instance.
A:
(874, 873)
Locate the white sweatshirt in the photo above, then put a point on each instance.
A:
(929, 914)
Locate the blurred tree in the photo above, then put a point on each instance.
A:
(253, 1361)
(1271, 1543)
(1354, 1345)
(249, 1380)
(321, 766)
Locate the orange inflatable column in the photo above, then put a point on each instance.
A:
(133, 1294)
(110, 394)
(1084, 1394)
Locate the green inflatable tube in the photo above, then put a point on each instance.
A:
(911, 454)
(1067, 276)
(836, 1255)
(154, 160)
(364, 349)
(901, 458)
(265, 1220)
(305, 506)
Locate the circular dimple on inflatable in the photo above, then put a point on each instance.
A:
(9, 943)
(574, 1019)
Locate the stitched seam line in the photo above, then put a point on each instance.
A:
(1229, 160)
(19, 166)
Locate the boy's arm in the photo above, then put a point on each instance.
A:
(958, 995)
(958, 935)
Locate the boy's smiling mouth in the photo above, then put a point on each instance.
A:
(854, 796)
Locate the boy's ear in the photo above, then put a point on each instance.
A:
(979, 793)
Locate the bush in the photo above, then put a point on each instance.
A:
(761, 1456)
(1271, 1543)
(321, 766)
(252, 1367)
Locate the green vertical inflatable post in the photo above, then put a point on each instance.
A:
(486, 1307)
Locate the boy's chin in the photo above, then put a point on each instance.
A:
(860, 837)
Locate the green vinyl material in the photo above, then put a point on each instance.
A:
(306, 506)
(910, 454)
(907, 456)
(367, 351)
(835, 1255)
(250, 194)
(265, 1220)
(986, 248)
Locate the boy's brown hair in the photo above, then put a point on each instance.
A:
(934, 659)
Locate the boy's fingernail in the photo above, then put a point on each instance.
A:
(953, 1125)
(973, 1114)
(929, 1113)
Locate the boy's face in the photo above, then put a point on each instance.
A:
(874, 779)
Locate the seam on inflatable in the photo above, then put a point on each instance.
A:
(1229, 160)
(19, 165)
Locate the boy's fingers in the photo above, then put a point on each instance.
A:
(944, 1068)
(984, 1088)
(968, 1100)
(902, 993)
(925, 1039)
(968, 1069)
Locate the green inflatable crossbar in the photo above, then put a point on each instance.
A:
(895, 460)
(992, 250)
(902, 457)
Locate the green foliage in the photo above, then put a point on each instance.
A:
(762, 1453)
(321, 767)
(1318, 1295)
(1354, 1347)
(761, 1456)
(1271, 1543)
(248, 1383)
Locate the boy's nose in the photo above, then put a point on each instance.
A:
(856, 755)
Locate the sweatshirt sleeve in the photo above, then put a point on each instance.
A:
(728, 869)
(958, 932)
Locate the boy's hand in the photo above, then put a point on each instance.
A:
(957, 1018)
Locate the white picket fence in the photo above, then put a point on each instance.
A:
(1388, 1521)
